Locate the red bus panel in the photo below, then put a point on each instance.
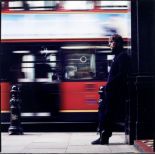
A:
(5, 96)
(79, 95)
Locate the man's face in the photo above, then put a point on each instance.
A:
(113, 46)
(116, 44)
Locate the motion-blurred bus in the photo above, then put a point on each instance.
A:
(59, 56)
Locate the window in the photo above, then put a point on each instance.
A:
(85, 66)
(43, 66)
(29, 5)
(114, 4)
(78, 5)
(79, 66)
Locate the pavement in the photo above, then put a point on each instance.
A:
(63, 142)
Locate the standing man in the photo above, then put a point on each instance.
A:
(115, 91)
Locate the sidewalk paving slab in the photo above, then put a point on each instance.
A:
(63, 142)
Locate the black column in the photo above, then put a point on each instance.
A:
(130, 125)
(130, 131)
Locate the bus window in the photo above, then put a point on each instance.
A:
(79, 66)
(41, 66)
(27, 68)
(78, 5)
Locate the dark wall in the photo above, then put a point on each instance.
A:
(140, 124)
(146, 29)
(143, 36)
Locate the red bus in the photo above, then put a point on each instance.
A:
(58, 57)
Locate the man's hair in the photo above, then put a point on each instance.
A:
(118, 40)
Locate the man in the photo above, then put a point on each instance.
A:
(115, 90)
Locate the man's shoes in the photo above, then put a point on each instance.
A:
(100, 141)
(104, 138)
(104, 141)
(95, 142)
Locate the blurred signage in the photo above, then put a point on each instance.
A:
(61, 26)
